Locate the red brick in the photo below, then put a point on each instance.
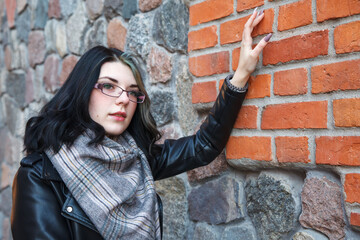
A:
(209, 64)
(255, 148)
(204, 92)
(297, 48)
(259, 86)
(210, 10)
(247, 117)
(290, 82)
(231, 31)
(235, 58)
(292, 149)
(347, 38)
(338, 150)
(294, 15)
(248, 4)
(330, 9)
(10, 12)
(336, 76)
(203, 38)
(295, 115)
(347, 112)
(352, 187)
(355, 219)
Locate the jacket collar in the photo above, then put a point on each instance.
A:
(49, 172)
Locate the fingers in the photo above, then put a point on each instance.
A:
(253, 21)
(260, 46)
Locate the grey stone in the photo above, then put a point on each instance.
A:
(171, 26)
(40, 14)
(112, 8)
(138, 35)
(50, 35)
(51, 73)
(94, 8)
(302, 236)
(20, 5)
(23, 25)
(29, 92)
(173, 194)
(60, 40)
(129, 8)
(15, 85)
(321, 207)
(12, 115)
(204, 231)
(185, 108)
(75, 30)
(270, 206)
(216, 202)
(162, 107)
(244, 231)
(97, 34)
(309, 234)
(5, 205)
(22, 55)
(67, 7)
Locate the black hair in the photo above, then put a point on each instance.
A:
(66, 115)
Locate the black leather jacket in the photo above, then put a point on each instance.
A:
(43, 208)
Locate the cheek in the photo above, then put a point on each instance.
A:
(95, 106)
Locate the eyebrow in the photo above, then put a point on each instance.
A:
(116, 81)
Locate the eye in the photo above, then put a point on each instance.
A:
(135, 93)
(107, 86)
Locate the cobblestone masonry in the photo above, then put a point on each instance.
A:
(291, 168)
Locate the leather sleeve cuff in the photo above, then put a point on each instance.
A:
(234, 88)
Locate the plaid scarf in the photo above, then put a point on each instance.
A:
(113, 184)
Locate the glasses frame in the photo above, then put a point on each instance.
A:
(99, 86)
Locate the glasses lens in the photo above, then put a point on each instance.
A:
(136, 96)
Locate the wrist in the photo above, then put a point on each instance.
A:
(239, 80)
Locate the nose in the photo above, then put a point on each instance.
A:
(122, 99)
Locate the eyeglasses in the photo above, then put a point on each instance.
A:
(112, 90)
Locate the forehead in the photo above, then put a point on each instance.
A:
(118, 71)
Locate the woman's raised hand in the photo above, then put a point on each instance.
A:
(248, 56)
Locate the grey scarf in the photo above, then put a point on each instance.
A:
(113, 184)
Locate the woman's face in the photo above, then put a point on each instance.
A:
(113, 113)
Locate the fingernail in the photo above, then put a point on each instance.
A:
(261, 12)
(267, 38)
(255, 10)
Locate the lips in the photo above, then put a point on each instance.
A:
(119, 116)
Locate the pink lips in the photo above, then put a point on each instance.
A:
(119, 116)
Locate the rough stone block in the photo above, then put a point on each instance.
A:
(116, 34)
(216, 202)
(147, 5)
(241, 231)
(321, 207)
(75, 30)
(96, 35)
(37, 48)
(94, 8)
(270, 199)
(138, 35)
(204, 231)
(129, 8)
(51, 71)
(171, 26)
(162, 107)
(68, 65)
(173, 194)
(15, 85)
(112, 8)
(159, 66)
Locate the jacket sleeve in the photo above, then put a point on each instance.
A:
(36, 213)
(190, 152)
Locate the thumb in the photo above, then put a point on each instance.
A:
(260, 46)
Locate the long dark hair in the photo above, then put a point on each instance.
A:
(66, 116)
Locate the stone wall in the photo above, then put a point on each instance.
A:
(291, 170)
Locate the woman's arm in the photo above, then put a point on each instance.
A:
(186, 153)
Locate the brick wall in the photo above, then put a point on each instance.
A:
(302, 112)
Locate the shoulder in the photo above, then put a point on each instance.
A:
(31, 166)
(31, 159)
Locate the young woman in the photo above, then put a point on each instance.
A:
(91, 154)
